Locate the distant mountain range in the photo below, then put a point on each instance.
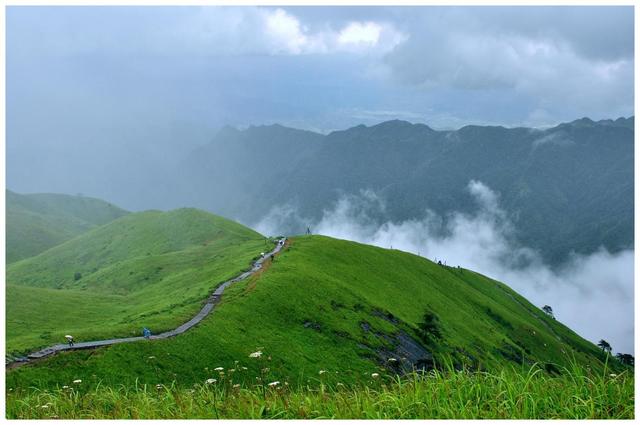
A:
(566, 188)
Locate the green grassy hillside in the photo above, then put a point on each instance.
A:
(37, 222)
(338, 307)
(149, 269)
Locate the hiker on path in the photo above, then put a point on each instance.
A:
(146, 333)
(69, 340)
(308, 231)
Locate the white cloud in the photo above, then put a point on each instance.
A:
(285, 32)
(253, 30)
(591, 294)
(360, 33)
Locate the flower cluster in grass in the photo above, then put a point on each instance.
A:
(511, 393)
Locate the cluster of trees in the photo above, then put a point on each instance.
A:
(623, 358)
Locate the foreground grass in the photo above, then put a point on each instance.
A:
(532, 394)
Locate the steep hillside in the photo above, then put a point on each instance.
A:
(149, 269)
(565, 188)
(37, 222)
(343, 308)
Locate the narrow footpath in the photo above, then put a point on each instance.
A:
(208, 307)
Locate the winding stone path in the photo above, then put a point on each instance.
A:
(208, 307)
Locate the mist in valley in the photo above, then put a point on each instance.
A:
(592, 294)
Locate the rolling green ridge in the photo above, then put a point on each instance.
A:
(149, 269)
(331, 305)
(37, 222)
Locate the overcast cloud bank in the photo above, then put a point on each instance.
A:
(92, 88)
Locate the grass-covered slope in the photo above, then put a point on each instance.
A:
(149, 269)
(37, 222)
(341, 307)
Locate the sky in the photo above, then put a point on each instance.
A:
(320, 68)
(95, 89)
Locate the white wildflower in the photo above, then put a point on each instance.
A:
(375, 375)
(77, 381)
(218, 369)
(613, 375)
(64, 387)
(256, 355)
(274, 383)
(211, 381)
(322, 372)
(391, 359)
(44, 406)
(236, 385)
(159, 386)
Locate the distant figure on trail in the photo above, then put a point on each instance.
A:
(272, 257)
(308, 231)
(69, 340)
(439, 262)
(146, 333)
